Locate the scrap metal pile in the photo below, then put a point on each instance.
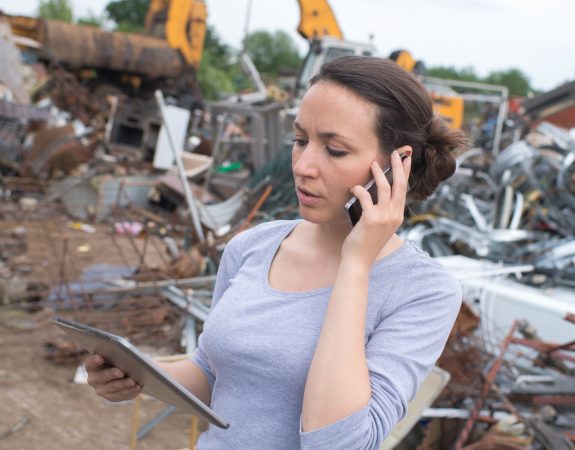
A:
(95, 210)
(521, 397)
(505, 226)
(96, 226)
(516, 208)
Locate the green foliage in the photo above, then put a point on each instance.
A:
(451, 73)
(215, 74)
(56, 9)
(221, 53)
(272, 53)
(129, 15)
(91, 20)
(213, 80)
(516, 81)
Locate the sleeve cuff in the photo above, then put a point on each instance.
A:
(340, 434)
(201, 363)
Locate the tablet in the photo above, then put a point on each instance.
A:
(118, 352)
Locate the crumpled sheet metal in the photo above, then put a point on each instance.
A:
(518, 207)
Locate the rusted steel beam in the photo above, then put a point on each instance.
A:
(487, 384)
(257, 206)
(553, 399)
(568, 346)
(542, 347)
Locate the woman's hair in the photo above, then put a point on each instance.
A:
(404, 116)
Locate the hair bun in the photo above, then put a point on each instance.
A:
(437, 162)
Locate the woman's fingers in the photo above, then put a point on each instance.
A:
(110, 382)
(115, 387)
(121, 395)
(93, 361)
(383, 186)
(128, 394)
(104, 375)
(400, 177)
(363, 196)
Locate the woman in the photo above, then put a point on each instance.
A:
(320, 335)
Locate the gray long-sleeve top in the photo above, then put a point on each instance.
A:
(258, 343)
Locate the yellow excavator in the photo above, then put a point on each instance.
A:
(319, 26)
(167, 56)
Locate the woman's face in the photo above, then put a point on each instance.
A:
(334, 144)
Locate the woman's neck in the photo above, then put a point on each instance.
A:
(328, 238)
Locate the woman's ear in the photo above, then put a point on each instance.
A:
(405, 150)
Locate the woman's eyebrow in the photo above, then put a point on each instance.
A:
(298, 126)
(321, 134)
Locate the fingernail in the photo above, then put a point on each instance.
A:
(117, 373)
(395, 154)
(374, 163)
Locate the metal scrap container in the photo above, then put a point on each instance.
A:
(89, 47)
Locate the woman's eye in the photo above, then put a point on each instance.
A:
(335, 153)
(299, 142)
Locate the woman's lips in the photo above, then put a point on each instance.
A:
(306, 198)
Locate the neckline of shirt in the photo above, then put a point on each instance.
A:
(389, 259)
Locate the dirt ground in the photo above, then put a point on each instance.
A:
(39, 394)
(60, 414)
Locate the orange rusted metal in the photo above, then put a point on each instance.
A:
(78, 47)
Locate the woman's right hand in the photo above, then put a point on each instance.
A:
(110, 382)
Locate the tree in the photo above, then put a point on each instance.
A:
(514, 79)
(217, 67)
(221, 52)
(451, 73)
(212, 79)
(272, 53)
(56, 9)
(91, 20)
(129, 15)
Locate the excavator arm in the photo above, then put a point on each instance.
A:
(317, 20)
(182, 23)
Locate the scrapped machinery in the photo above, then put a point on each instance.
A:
(319, 26)
(166, 57)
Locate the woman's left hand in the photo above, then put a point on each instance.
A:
(379, 222)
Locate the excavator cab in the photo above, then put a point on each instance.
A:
(322, 51)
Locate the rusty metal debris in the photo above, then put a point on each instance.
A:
(96, 225)
(516, 209)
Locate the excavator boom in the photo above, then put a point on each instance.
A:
(182, 23)
(317, 20)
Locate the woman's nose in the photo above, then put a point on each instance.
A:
(305, 161)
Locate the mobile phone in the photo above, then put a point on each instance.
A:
(353, 206)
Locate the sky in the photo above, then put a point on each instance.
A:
(537, 37)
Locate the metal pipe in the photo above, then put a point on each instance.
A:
(177, 156)
(482, 86)
(142, 432)
(500, 121)
(221, 122)
(489, 380)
